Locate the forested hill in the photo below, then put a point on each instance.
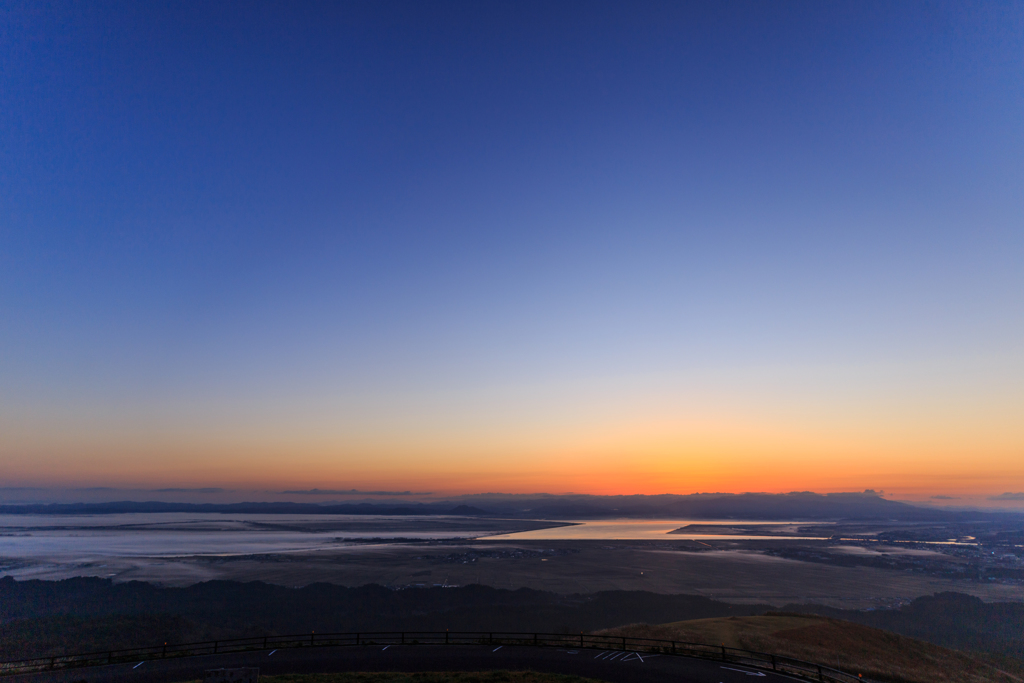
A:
(89, 613)
(45, 617)
(953, 620)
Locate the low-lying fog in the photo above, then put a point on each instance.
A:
(715, 559)
(645, 529)
(180, 534)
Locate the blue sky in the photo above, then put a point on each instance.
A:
(379, 218)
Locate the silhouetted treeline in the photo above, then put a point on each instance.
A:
(84, 614)
(955, 620)
(89, 613)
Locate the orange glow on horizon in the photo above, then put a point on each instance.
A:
(628, 459)
(910, 444)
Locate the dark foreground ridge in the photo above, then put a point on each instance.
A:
(612, 647)
(43, 618)
(80, 614)
(612, 666)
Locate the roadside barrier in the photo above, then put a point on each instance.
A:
(759, 660)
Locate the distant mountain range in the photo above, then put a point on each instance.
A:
(283, 508)
(746, 506)
(803, 505)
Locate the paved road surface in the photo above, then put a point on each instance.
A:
(615, 666)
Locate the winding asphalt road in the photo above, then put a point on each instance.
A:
(615, 666)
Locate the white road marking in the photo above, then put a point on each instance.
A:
(615, 656)
(385, 647)
(137, 665)
(272, 652)
(744, 671)
(572, 652)
(497, 648)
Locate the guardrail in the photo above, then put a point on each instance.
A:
(760, 660)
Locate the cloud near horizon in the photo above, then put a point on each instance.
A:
(354, 492)
(1008, 496)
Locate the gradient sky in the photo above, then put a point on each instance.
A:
(513, 246)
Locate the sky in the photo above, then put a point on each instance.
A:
(600, 247)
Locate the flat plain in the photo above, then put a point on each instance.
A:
(734, 574)
(179, 550)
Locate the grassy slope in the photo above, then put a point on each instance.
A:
(875, 653)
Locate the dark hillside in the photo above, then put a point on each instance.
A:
(41, 617)
(877, 654)
(47, 616)
(950, 619)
